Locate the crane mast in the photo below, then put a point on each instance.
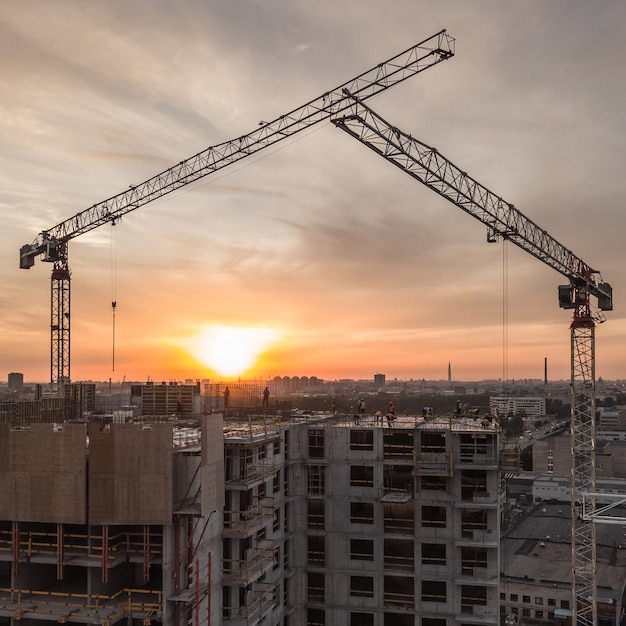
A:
(52, 245)
(504, 221)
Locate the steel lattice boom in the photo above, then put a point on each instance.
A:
(416, 59)
(52, 244)
(504, 221)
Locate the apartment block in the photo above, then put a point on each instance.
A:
(16, 381)
(553, 455)
(395, 525)
(611, 418)
(530, 406)
(80, 397)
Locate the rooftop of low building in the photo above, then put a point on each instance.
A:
(537, 549)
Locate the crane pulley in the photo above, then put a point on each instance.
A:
(504, 221)
(52, 245)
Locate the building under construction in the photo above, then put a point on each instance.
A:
(318, 520)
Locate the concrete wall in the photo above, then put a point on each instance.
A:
(130, 475)
(42, 473)
(617, 467)
(212, 464)
(560, 446)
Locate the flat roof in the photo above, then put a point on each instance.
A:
(537, 550)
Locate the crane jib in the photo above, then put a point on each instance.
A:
(399, 68)
(503, 220)
(52, 244)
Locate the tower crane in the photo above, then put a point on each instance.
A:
(52, 245)
(505, 222)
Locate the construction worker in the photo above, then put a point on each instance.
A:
(391, 410)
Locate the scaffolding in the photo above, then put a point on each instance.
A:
(38, 545)
(238, 398)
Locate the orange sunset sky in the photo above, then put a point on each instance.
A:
(315, 257)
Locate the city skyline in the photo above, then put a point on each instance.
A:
(317, 256)
(312, 380)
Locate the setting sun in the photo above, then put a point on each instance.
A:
(231, 350)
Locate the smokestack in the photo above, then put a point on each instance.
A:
(545, 370)
(449, 372)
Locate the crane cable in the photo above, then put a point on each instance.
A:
(505, 376)
(505, 317)
(113, 287)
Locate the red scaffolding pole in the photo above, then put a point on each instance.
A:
(105, 554)
(208, 589)
(60, 550)
(197, 592)
(15, 546)
(146, 553)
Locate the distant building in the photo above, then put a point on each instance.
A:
(516, 405)
(611, 459)
(82, 397)
(284, 385)
(379, 380)
(611, 419)
(552, 455)
(16, 381)
(532, 488)
(535, 566)
(167, 399)
(611, 435)
(24, 413)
